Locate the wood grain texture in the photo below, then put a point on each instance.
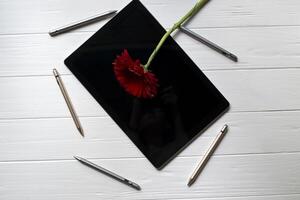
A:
(224, 176)
(34, 16)
(264, 197)
(257, 48)
(250, 133)
(259, 159)
(246, 90)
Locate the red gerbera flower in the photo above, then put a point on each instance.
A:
(131, 75)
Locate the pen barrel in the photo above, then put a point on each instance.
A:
(207, 156)
(110, 173)
(116, 176)
(68, 102)
(81, 23)
(104, 171)
(210, 44)
(67, 99)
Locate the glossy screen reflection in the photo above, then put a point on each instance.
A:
(186, 103)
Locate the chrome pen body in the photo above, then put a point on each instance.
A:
(82, 23)
(108, 173)
(210, 44)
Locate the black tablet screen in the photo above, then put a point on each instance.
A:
(186, 101)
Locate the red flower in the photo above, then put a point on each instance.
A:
(133, 77)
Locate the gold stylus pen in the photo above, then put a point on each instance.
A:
(207, 155)
(68, 101)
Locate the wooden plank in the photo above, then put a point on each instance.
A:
(268, 197)
(31, 97)
(35, 17)
(24, 55)
(272, 47)
(250, 133)
(256, 48)
(258, 159)
(96, 197)
(34, 97)
(224, 176)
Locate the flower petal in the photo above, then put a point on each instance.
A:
(133, 78)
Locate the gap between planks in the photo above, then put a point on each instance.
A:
(238, 197)
(192, 28)
(143, 158)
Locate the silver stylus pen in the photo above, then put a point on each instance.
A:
(108, 173)
(209, 44)
(81, 23)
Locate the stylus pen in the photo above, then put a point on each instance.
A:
(108, 173)
(209, 44)
(207, 155)
(68, 101)
(82, 23)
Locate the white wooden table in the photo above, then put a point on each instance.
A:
(258, 159)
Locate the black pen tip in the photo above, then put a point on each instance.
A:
(138, 188)
(234, 58)
(81, 131)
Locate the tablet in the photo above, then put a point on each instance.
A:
(186, 101)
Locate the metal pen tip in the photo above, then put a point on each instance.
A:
(55, 72)
(235, 58)
(232, 57)
(53, 33)
(190, 182)
(76, 157)
(135, 186)
(224, 128)
(138, 187)
(113, 11)
(81, 131)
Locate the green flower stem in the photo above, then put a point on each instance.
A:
(200, 4)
